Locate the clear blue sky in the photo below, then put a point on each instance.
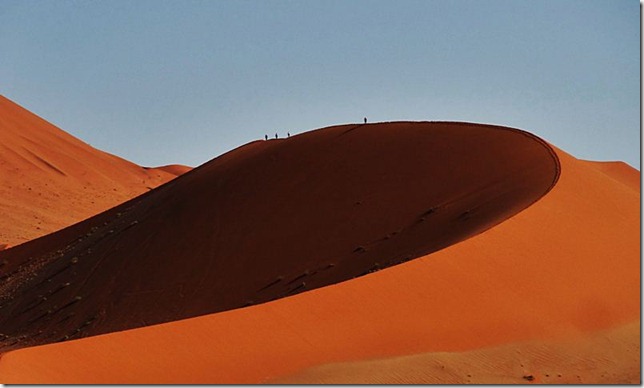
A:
(162, 82)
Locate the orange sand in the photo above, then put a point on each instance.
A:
(605, 357)
(619, 171)
(566, 267)
(50, 179)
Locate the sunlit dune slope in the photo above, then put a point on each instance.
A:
(269, 220)
(50, 179)
(619, 171)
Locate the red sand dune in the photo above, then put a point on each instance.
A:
(565, 267)
(51, 180)
(269, 220)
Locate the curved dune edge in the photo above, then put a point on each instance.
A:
(270, 220)
(564, 267)
(604, 357)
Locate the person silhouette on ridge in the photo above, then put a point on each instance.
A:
(276, 135)
(265, 137)
(365, 120)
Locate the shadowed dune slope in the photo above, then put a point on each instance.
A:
(564, 268)
(269, 220)
(50, 179)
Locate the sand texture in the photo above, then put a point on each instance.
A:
(605, 357)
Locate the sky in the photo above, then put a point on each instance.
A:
(163, 82)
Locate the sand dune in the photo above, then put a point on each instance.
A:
(269, 220)
(561, 275)
(174, 169)
(51, 180)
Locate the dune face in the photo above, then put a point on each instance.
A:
(269, 220)
(51, 180)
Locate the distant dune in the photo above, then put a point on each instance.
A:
(336, 252)
(174, 169)
(51, 180)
